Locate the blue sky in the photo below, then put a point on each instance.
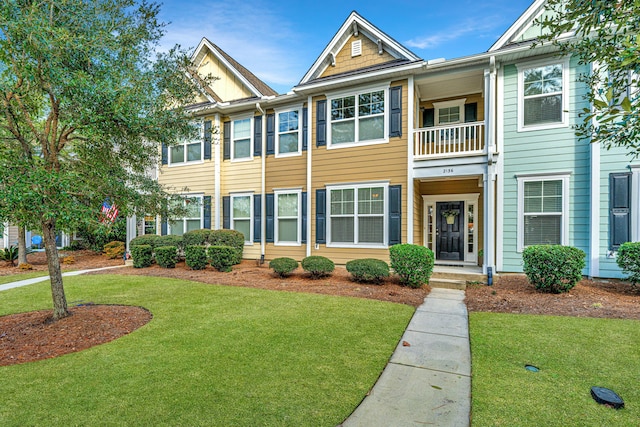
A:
(279, 41)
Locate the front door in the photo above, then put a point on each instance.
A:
(449, 222)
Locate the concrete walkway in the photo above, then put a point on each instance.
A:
(43, 278)
(428, 381)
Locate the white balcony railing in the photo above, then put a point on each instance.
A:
(447, 141)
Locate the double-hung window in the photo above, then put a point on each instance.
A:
(358, 118)
(287, 224)
(289, 132)
(543, 95)
(188, 151)
(543, 210)
(241, 139)
(192, 219)
(357, 215)
(242, 215)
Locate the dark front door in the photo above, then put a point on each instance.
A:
(449, 231)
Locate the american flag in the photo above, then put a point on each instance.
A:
(110, 212)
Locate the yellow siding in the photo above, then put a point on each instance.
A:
(240, 176)
(295, 252)
(228, 87)
(418, 215)
(370, 56)
(251, 251)
(286, 172)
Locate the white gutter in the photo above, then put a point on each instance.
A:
(263, 183)
(217, 172)
(500, 170)
(309, 192)
(410, 126)
(594, 235)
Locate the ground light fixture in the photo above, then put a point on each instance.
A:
(605, 396)
(531, 368)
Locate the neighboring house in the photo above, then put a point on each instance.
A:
(375, 146)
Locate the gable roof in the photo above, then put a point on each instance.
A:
(356, 24)
(517, 28)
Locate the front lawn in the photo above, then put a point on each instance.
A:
(22, 276)
(573, 355)
(212, 355)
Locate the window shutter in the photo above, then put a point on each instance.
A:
(321, 216)
(257, 217)
(305, 126)
(257, 136)
(271, 134)
(226, 212)
(395, 116)
(269, 198)
(206, 212)
(619, 209)
(428, 117)
(471, 112)
(165, 154)
(395, 214)
(164, 228)
(226, 141)
(207, 140)
(321, 123)
(303, 209)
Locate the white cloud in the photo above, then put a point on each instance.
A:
(455, 32)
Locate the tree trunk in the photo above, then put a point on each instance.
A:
(22, 245)
(55, 273)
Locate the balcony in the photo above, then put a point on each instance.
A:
(465, 139)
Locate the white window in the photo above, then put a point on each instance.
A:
(241, 148)
(449, 112)
(289, 132)
(242, 215)
(357, 215)
(543, 95)
(189, 151)
(192, 219)
(287, 223)
(543, 210)
(358, 118)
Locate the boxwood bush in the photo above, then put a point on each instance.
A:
(318, 266)
(412, 263)
(145, 239)
(283, 266)
(142, 255)
(196, 237)
(166, 256)
(628, 259)
(553, 268)
(232, 238)
(195, 256)
(368, 270)
(222, 257)
(169, 240)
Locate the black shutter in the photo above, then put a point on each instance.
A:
(165, 154)
(207, 140)
(226, 212)
(471, 112)
(321, 123)
(305, 126)
(303, 209)
(206, 212)
(257, 217)
(226, 141)
(395, 116)
(619, 209)
(271, 134)
(428, 118)
(395, 214)
(257, 136)
(321, 216)
(163, 227)
(269, 198)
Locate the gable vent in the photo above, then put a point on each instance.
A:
(356, 48)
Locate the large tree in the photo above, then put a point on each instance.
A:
(603, 33)
(85, 97)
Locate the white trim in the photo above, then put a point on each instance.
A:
(635, 203)
(500, 170)
(251, 214)
(200, 197)
(410, 190)
(564, 224)
(232, 139)
(215, 140)
(594, 234)
(566, 93)
(437, 106)
(276, 218)
(517, 26)
(279, 111)
(310, 147)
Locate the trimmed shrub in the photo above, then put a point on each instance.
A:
(283, 266)
(553, 268)
(195, 256)
(628, 259)
(114, 249)
(232, 238)
(318, 266)
(167, 256)
(145, 239)
(196, 237)
(368, 270)
(169, 240)
(25, 266)
(413, 263)
(222, 257)
(142, 255)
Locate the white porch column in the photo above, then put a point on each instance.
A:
(132, 230)
(490, 175)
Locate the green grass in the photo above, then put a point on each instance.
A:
(212, 355)
(22, 276)
(573, 355)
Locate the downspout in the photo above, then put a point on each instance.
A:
(217, 172)
(489, 218)
(594, 235)
(309, 192)
(410, 126)
(263, 184)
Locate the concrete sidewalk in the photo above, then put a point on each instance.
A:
(428, 381)
(43, 278)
